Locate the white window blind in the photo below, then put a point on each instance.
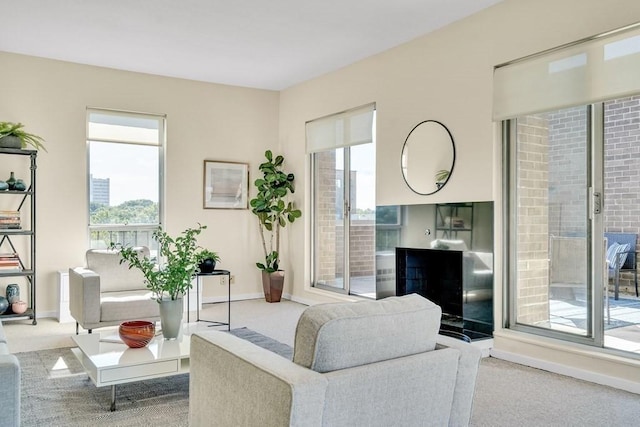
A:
(116, 126)
(604, 67)
(345, 129)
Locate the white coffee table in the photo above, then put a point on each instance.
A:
(109, 362)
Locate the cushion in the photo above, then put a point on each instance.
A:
(617, 255)
(125, 304)
(113, 275)
(342, 335)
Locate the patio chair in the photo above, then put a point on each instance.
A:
(627, 258)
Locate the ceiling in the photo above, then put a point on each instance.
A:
(268, 44)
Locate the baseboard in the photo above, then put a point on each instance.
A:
(561, 369)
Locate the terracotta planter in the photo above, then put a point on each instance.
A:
(272, 284)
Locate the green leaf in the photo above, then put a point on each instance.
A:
(269, 155)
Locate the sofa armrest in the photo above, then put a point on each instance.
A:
(234, 382)
(466, 380)
(84, 295)
(10, 390)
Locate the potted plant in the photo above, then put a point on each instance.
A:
(441, 177)
(273, 212)
(207, 261)
(13, 136)
(170, 279)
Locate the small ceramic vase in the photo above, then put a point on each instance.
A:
(3, 186)
(19, 307)
(4, 305)
(13, 293)
(11, 182)
(19, 185)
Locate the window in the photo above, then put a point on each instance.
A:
(343, 160)
(125, 152)
(570, 127)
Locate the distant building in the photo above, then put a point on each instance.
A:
(99, 191)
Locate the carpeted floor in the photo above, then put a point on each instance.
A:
(57, 392)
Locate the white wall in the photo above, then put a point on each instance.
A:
(204, 121)
(445, 76)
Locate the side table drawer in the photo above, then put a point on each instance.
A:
(138, 372)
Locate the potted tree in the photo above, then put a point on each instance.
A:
(273, 212)
(170, 279)
(13, 136)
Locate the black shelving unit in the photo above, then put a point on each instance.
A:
(455, 221)
(24, 200)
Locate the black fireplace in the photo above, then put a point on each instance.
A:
(458, 281)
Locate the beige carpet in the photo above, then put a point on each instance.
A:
(507, 394)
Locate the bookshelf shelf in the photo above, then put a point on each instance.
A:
(14, 241)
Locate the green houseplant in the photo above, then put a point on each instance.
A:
(207, 260)
(170, 280)
(273, 212)
(12, 135)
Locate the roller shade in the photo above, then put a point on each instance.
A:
(345, 129)
(602, 68)
(110, 126)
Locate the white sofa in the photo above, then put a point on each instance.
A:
(374, 363)
(10, 380)
(107, 293)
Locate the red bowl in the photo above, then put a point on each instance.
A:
(137, 333)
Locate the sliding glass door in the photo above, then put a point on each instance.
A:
(550, 221)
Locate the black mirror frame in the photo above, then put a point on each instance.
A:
(453, 163)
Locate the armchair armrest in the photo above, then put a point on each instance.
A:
(466, 379)
(84, 295)
(234, 382)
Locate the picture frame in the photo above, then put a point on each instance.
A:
(226, 185)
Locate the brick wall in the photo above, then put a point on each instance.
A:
(622, 172)
(532, 229)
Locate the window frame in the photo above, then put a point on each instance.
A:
(161, 144)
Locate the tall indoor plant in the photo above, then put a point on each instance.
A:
(170, 279)
(274, 212)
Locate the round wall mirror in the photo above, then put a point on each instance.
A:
(428, 156)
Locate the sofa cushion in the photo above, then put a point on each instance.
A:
(113, 275)
(125, 304)
(342, 335)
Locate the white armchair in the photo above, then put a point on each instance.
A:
(107, 293)
(374, 363)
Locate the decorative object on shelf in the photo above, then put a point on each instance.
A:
(9, 220)
(13, 136)
(226, 185)
(170, 280)
(273, 212)
(4, 305)
(13, 293)
(3, 186)
(19, 185)
(11, 182)
(17, 229)
(137, 333)
(207, 261)
(19, 307)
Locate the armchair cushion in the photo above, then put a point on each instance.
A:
(113, 275)
(367, 332)
(118, 305)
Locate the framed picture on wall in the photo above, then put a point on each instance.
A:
(226, 185)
